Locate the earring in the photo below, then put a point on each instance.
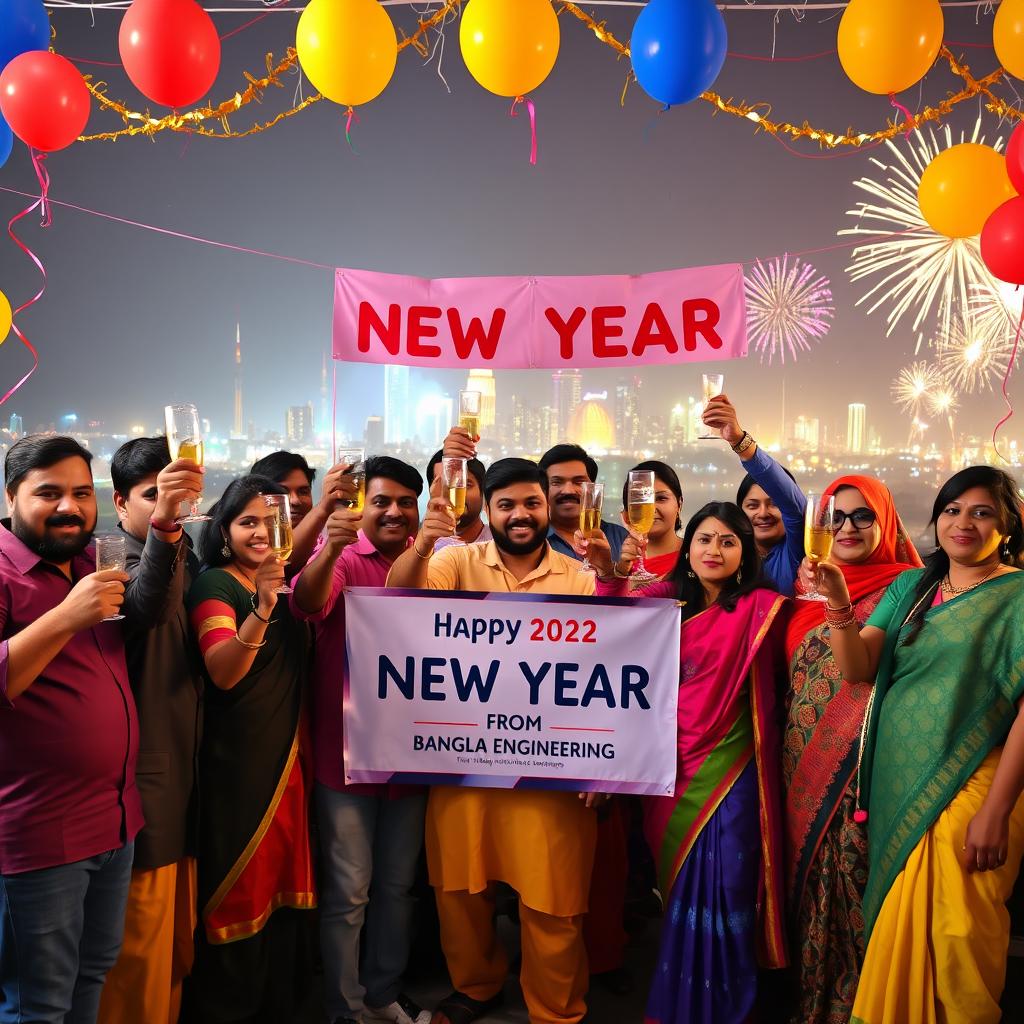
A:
(690, 572)
(226, 550)
(739, 575)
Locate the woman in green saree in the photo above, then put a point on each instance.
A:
(942, 765)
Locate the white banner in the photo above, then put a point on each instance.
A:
(509, 690)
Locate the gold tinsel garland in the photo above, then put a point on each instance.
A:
(139, 123)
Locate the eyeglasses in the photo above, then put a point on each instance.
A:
(860, 518)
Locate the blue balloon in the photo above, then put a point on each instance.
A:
(23, 26)
(6, 141)
(678, 49)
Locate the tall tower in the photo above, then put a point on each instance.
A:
(397, 414)
(567, 393)
(237, 429)
(483, 381)
(856, 415)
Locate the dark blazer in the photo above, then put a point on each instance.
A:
(165, 676)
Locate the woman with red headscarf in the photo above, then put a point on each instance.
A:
(827, 861)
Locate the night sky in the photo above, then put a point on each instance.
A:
(442, 186)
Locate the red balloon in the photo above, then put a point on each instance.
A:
(44, 100)
(1002, 241)
(170, 50)
(1015, 158)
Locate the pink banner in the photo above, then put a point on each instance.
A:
(674, 316)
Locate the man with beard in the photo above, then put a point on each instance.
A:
(166, 679)
(540, 842)
(768, 495)
(370, 835)
(470, 529)
(568, 467)
(69, 809)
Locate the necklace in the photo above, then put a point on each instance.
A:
(948, 588)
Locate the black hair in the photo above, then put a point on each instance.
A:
(136, 460)
(394, 469)
(506, 472)
(662, 471)
(475, 466)
(748, 481)
(277, 465)
(1007, 499)
(567, 453)
(39, 451)
(236, 496)
(749, 577)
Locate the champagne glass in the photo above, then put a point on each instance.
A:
(110, 554)
(712, 384)
(355, 458)
(640, 512)
(185, 441)
(469, 412)
(819, 535)
(279, 530)
(455, 473)
(591, 503)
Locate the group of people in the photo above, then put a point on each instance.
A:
(173, 801)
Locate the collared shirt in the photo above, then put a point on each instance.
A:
(68, 743)
(360, 565)
(781, 563)
(445, 542)
(615, 533)
(479, 567)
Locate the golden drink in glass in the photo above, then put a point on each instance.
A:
(457, 500)
(455, 480)
(640, 513)
(191, 450)
(591, 503)
(590, 522)
(470, 403)
(355, 459)
(185, 441)
(641, 516)
(470, 423)
(279, 529)
(819, 536)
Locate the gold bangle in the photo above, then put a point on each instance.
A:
(418, 555)
(617, 574)
(251, 647)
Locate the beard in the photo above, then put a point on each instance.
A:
(518, 547)
(49, 548)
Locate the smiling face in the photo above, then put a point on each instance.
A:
(391, 515)
(565, 486)
(764, 516)
(968, 528)
(53, 510)
(300, 495)
(853, 545)
(248, 536)
(715, 552)
(518, 515)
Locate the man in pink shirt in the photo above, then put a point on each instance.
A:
(369, 834)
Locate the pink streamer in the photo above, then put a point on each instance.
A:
(41, 204)
(350, 116)
(906, 114)
(1006, 381)
(533, 123)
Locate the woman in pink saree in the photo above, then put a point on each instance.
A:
(718, 840)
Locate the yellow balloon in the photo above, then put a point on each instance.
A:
(5, 318)
(1008, 36)
(347, 48)
(962, 187)
(509, 48)
(888, 45)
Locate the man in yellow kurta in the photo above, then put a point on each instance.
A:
(541, 842)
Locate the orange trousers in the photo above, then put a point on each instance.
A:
(554, 975)
(144, 986)
(604, 928)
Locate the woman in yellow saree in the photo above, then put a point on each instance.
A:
(942, 765)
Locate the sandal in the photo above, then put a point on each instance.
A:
(459, 1008)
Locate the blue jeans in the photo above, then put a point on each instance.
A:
(370, 849)
(60, 932)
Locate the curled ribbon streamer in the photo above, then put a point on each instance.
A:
(533, 123)
(908, 117)
(1006, 381)
(41, 204)
(350, 116)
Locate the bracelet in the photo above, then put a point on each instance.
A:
(840, 618)
(251, 647)
(418, 555)
(843, 624)
(842, 608)
(618, 575)
(252, 601)
(743, 443)
(171, 527)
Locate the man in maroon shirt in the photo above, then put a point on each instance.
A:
(69, 809)
(370, 836)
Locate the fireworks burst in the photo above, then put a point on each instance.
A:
(914, 386)
(975, 353)
(942, 402)
(787, 306)
(920, 269)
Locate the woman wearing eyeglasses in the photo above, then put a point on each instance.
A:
(827, 866)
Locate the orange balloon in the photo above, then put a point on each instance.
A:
(1008, 36)
(888, 45)
(962, 187)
